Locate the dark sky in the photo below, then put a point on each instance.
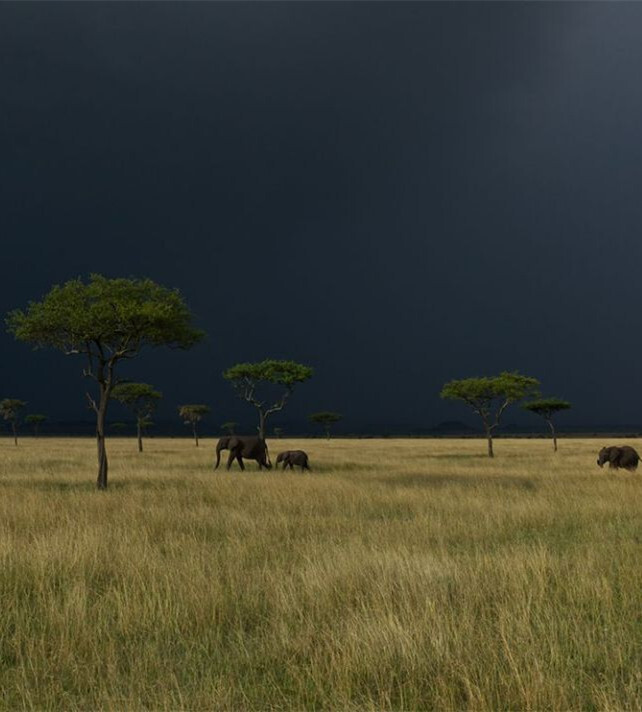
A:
(395, 193)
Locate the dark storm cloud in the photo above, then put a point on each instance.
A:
(397, 193)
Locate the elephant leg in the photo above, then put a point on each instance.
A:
(240, 461)
(230, 459)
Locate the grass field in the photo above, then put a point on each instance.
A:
(400, 574)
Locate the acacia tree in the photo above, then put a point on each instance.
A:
(105, 321)
(547, 408)
(36, 420)
(229, 427)
(10, 410)
(326, 419)
(267, 385)
(141, 399)
(489, 396)
(192, 415)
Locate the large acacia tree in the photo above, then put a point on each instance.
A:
(105, 321)
(267, 385)
(141, 399)
(489, 396)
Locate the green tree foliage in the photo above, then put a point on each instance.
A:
(35, 420)
(10, 410)
(547, 408)
(141, 399)
(105, 321)
(489, 396)
(192, 415)
(326, 419)
(267, 385)
(230, 427)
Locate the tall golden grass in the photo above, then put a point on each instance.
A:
(400, 574)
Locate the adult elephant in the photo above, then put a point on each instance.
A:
(250, 447)
(293, 457)
(624, 456)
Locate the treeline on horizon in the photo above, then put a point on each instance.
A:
(110, 321)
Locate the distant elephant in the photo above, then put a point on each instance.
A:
(623, 456)
(250, 447)
(292, 458)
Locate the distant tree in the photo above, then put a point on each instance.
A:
(489, 396)
(278, 432)
(36, 420)
(326, 419)
(118, 426)
(192, 415)
(276, 378)
(10, 410)
(105, 321)
(141, 399)
(230, 427)
(547, 408)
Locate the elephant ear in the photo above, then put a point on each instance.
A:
(614, 454)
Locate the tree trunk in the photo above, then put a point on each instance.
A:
(15, 432)
(261, 425)
(195, 434)
(327, 433)
(489, 436)
(550, 424)
(100, 437)
(140, 436)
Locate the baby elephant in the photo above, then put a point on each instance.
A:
(624, 456)
(292, 458)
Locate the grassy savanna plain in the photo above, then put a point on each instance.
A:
(400, 574)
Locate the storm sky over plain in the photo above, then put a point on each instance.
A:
(394, 193)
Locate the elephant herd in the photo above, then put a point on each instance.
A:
(252, 447)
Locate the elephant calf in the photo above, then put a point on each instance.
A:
(617, 457)
(292, 458)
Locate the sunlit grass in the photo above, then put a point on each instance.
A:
(399, 574)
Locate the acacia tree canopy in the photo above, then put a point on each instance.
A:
(106, 318)
(193, 413)
(137, 396)
(547, 407)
